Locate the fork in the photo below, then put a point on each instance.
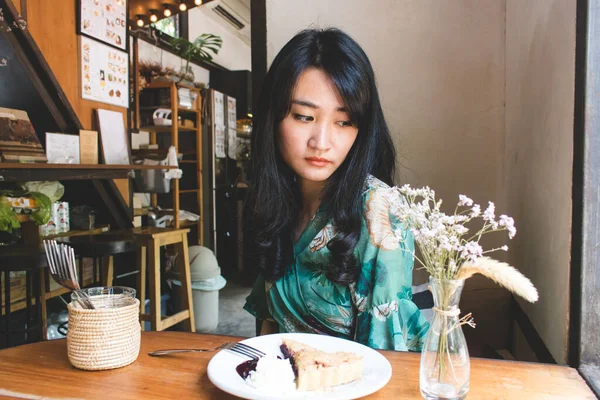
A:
(61, 260)
(235, 347)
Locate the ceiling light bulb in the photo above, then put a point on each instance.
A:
(140, 21)
(197, 2)
(153, 17)
(182, 6)
(167, 12)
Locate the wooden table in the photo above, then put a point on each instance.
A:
(42, 369)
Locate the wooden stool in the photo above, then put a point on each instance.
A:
(151, 240)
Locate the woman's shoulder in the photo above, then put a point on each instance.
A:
(379, 223)
(375, 190)
(373, 183)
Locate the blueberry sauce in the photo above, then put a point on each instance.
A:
(246, 367)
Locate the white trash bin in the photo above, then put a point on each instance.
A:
(206, 282)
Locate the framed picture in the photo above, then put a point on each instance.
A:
(62, 149)
(113, 137)
(104, 73)
(104, 20)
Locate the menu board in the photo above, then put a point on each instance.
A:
(104, 73)
(105, 20)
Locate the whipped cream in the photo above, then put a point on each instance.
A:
(273, 374)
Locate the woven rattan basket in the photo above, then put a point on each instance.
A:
(103, 338)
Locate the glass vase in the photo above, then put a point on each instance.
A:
(445, 368)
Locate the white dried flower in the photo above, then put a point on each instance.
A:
(489, 214)
(509, 224)
(464, 201)
(472, 251)
(460, 229)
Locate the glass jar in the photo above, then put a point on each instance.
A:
(106, 297)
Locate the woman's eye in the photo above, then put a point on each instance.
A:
(344, 124)
(303, 118)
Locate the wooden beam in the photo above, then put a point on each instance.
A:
(258, 16)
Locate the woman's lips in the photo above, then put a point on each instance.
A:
(317, 162)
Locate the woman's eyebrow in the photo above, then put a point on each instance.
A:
(307, 103)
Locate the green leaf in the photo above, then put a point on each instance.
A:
(8, 218)
(44, 212)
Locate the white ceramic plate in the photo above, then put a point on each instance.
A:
(376, 374)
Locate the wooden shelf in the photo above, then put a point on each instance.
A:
(98, 167)
(11, 172)
(185, 109)
(73, 233)
(138, 212)
(186, 223)
(99, 230)
(168, 84)
(166, 129)
(180, 109)
(195, 161)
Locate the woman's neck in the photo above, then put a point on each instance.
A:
(312, 193)
(311, 200)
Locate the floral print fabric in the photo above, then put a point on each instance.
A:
(376, 311)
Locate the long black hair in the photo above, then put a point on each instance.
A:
(274, 201)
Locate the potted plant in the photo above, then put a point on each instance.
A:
(199, 50)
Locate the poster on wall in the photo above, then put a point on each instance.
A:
(104, 73)
(105, 20)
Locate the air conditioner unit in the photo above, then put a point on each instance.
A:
(233, 14)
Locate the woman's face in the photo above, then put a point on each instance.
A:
(316, 136)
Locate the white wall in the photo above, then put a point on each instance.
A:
(440, 71)
(540, 70)
(235, 54)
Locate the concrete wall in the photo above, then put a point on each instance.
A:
(540, 71)
(440, 70)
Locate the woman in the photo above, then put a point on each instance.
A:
(321, 234)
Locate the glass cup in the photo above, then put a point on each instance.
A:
(106, 297)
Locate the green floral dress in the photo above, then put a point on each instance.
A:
(376, 311)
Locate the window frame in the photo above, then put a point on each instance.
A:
(584, 346)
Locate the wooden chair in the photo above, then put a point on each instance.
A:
(150, 241)
(100, 247)
(31, 261)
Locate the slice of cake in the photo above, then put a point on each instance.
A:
(317, 370)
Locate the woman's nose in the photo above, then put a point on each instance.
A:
(321, 137)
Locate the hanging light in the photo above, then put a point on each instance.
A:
(140, 21)
(167, 11)
(197, 2)
(182, 6)
(153, 17)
